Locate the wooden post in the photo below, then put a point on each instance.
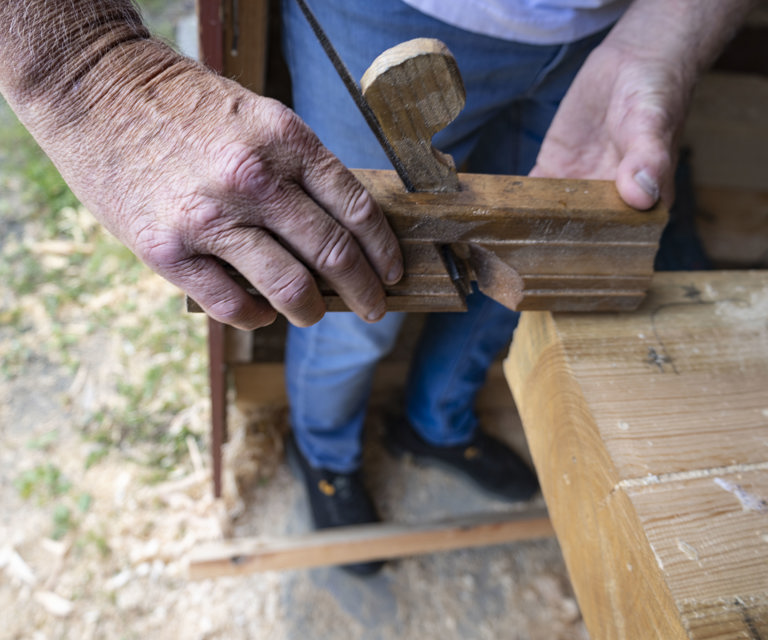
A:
(211, 33)
(233, 42)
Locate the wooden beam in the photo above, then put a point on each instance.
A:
(363, 542)
(233, 42)
(217, 381)
(211, 33)
(649, 433)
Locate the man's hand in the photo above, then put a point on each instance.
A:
(190, 170)
(213, 173)
(619, 121)
(622, 116)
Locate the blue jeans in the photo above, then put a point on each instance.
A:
(513, 91)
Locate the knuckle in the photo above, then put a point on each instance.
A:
(657, 119)
(285, 126)
(246, 169)
(214, 225)
(293, 290)
(237, 312)
(230, 310)
(202, 216)
(361, 211)
(299, 143)
(285, 123)
(160, 248)
(338, 255)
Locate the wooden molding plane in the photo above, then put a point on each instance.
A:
(529, 243)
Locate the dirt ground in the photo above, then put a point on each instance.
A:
(105, 480)
(120, 571)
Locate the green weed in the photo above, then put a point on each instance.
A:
(44, 482)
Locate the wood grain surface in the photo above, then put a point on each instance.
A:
(649, 431)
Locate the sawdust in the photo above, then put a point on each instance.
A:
(137, 587)
(751, 309)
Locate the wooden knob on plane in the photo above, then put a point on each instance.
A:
(415, 90)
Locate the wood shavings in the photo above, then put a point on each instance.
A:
(252, 454)
(15, 566)
(54, 603)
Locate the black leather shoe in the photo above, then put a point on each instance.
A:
(335, 500)
(487, 462)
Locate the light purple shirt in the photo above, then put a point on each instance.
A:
(529, 21)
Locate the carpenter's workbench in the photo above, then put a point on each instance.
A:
(649, 432)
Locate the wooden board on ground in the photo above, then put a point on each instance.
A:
(364, 542)
(262, 384)
(649, 432)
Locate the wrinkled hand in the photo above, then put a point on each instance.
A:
(189, 169)
(620, 120)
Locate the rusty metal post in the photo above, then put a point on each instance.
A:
(211, 38)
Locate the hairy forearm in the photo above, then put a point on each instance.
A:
(85, 76)
(52, 45)
(689, 34)
(64, 61)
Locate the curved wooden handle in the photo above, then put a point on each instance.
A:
(415, 90)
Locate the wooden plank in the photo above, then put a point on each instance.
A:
(245, 42)
(364, 542)
(211, 33)
(261, 384)
(704, 555)
(733, 225)
(217, 381)
(727, 131)
(494, 208)
(649, 432)
(510, 229)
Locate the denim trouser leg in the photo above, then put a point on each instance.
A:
(512, 93)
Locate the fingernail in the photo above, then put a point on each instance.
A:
(647, 184)
(378, 312)
(394, 275)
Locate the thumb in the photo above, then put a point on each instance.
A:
(645, 173)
